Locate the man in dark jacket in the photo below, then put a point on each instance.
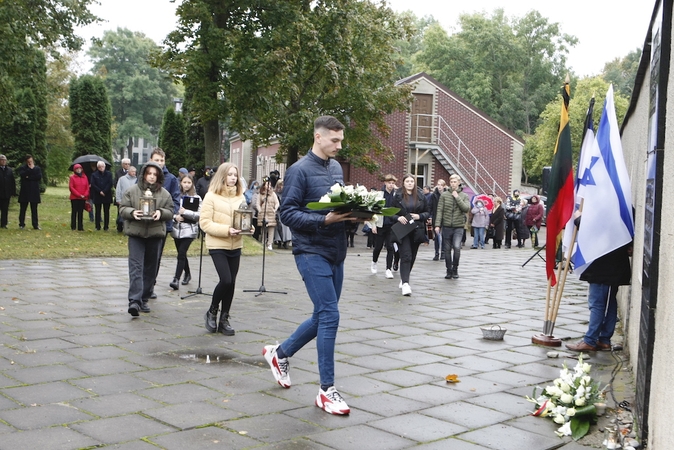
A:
(605, 275)
(101, 194)
(383, 233)
(319, 246)
(7, 189)
(30, 175)
(203, 182)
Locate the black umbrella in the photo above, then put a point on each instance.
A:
(87, 160)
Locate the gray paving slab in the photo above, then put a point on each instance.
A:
(72, 353)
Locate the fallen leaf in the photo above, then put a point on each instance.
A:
(42, 312)
(2, 308)
(452, 378)
(243, 432)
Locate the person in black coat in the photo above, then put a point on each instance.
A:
(30, 176)
(413, 207)
(497, 222)
(101, 194)
(7, 189)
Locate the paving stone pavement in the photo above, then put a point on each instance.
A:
(77, 372)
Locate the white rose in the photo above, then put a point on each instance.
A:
(566, 398)
(586, 368)
(564, 430)
(565, 387)
(580, 401)
(559, 419)
(571, 412)
(325, 199)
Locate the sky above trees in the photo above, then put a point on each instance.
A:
(606, 30)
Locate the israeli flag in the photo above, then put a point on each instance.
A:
(607, 221)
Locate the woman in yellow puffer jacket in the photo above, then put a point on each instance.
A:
(224, 242)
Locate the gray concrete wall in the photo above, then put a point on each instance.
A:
(635, 144)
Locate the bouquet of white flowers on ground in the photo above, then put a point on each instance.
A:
(570, 400)
(355, 199)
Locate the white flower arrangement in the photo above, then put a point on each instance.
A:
(356, 199)
(569, 401)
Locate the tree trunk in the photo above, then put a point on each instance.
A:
(212, 142)
(291, 157)
(129, 148)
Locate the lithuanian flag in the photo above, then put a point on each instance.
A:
(560, 189)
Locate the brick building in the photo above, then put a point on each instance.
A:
(441, 134)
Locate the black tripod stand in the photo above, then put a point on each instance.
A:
(201, 258)
(538, 253)
(262, 289)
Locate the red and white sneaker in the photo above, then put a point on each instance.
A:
(331, 401)
(279, 367)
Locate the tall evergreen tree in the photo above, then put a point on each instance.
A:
(172, 139)
(23, 129)
(90, 117)
(194, 134)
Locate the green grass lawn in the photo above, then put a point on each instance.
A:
(57, 240)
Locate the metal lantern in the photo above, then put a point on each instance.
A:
(148, 205)
(243, 219)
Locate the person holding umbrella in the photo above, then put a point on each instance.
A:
(101, 193)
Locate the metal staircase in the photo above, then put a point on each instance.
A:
(455, 156)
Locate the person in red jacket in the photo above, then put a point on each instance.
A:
(79, 194)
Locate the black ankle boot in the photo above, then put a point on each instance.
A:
(224, 326)
(187, 278)
(174, 284)
(211, 319)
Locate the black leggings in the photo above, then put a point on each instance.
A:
(182, 245)
(227, 265)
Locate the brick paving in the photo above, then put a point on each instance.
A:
(77, 372)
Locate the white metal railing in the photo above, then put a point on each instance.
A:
(451, 147)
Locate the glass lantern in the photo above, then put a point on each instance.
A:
(243, 219)
(147, 205)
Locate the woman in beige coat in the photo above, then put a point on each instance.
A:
(267, 204)
(224, 242)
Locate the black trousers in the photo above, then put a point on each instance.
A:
(4, 210)
(77, 214)
(384, 237)
(33, 214)
(106, 215)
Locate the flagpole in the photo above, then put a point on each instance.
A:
(567, 263)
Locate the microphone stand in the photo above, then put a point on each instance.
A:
(264, 230)
(199, 291)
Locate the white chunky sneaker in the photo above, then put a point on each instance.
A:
(389, 274)
(279, 367)
(407, 290)
(332, 402)
(373, 267)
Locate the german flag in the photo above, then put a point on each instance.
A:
(560, 189)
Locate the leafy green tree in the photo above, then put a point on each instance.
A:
(90, 117)
(622, 72)
(139, 93)
(509, 68)
(539, 147)
(410, 47)
(28, 24)
(272, 67)
(22, 130)
(172, 139)
(60, 143)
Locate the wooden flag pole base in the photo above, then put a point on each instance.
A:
(544, 339)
